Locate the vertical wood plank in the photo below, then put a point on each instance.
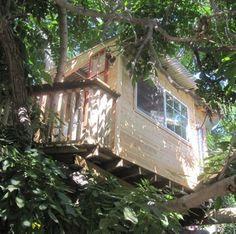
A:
(64, 118)
(90, 117)
(55, 110)
(102, 117)
(80, 116)
(72, 118)
(108, 119)
(94, 114)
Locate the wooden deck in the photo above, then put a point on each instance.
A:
(76, 112)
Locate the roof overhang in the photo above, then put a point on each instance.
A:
(179, 73)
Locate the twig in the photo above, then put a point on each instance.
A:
(145, 41)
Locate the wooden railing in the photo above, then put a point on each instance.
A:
(76, 112)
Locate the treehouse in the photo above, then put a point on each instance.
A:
(151, 129)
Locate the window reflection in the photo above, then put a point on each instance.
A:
(172, 114)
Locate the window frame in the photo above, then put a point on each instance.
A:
(103, 72)
(163, 126)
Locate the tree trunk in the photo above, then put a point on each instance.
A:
(15, 61)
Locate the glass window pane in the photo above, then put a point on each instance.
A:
(183, 132)
(177, 105)
(169, 99)
(184, 111)
(94, 62)
(101, 63)
(176, 116)
(169, 112)
(183, 121)
(178, 129)
(150, 100)
(171, 126)
(97, 64)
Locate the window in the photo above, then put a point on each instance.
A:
(162, 107)
(98, 66)
(150, 100)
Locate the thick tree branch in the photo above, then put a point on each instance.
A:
(63, 33)
(224, 215)
(144, 43)
(79, 10)
(219, 188)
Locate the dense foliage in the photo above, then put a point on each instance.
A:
(34, 196)
(112, 208)
(222, 143)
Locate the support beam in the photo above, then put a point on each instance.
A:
(130, 172)
(62, 86)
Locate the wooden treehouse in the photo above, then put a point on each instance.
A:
(148, 130)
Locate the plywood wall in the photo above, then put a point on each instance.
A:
(143, 142)
(153, 146)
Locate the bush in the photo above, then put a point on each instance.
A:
(34, 197)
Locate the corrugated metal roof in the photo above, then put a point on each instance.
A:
(179, 73)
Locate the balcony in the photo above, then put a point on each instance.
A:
(76, 113)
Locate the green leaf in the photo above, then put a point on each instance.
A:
(130, 215)
(5, 196)
(26, 223)
(11, 188)
(15, 182)
(225, 59)
(63, 197)
(52, 216)
(47, 77)
(164, 221)
(42, 207)
(20, 202)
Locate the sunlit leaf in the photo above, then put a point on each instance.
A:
(130, 215)
(20, 202)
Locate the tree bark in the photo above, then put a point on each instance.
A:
(218, 188)
(15, 61)
(63, 34)
(224, 215)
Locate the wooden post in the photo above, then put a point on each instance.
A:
(72, 118)
(62, 112)
(80, 116)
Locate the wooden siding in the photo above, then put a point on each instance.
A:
(153, 146)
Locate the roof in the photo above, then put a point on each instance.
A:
(173, 67)
(179, 73)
